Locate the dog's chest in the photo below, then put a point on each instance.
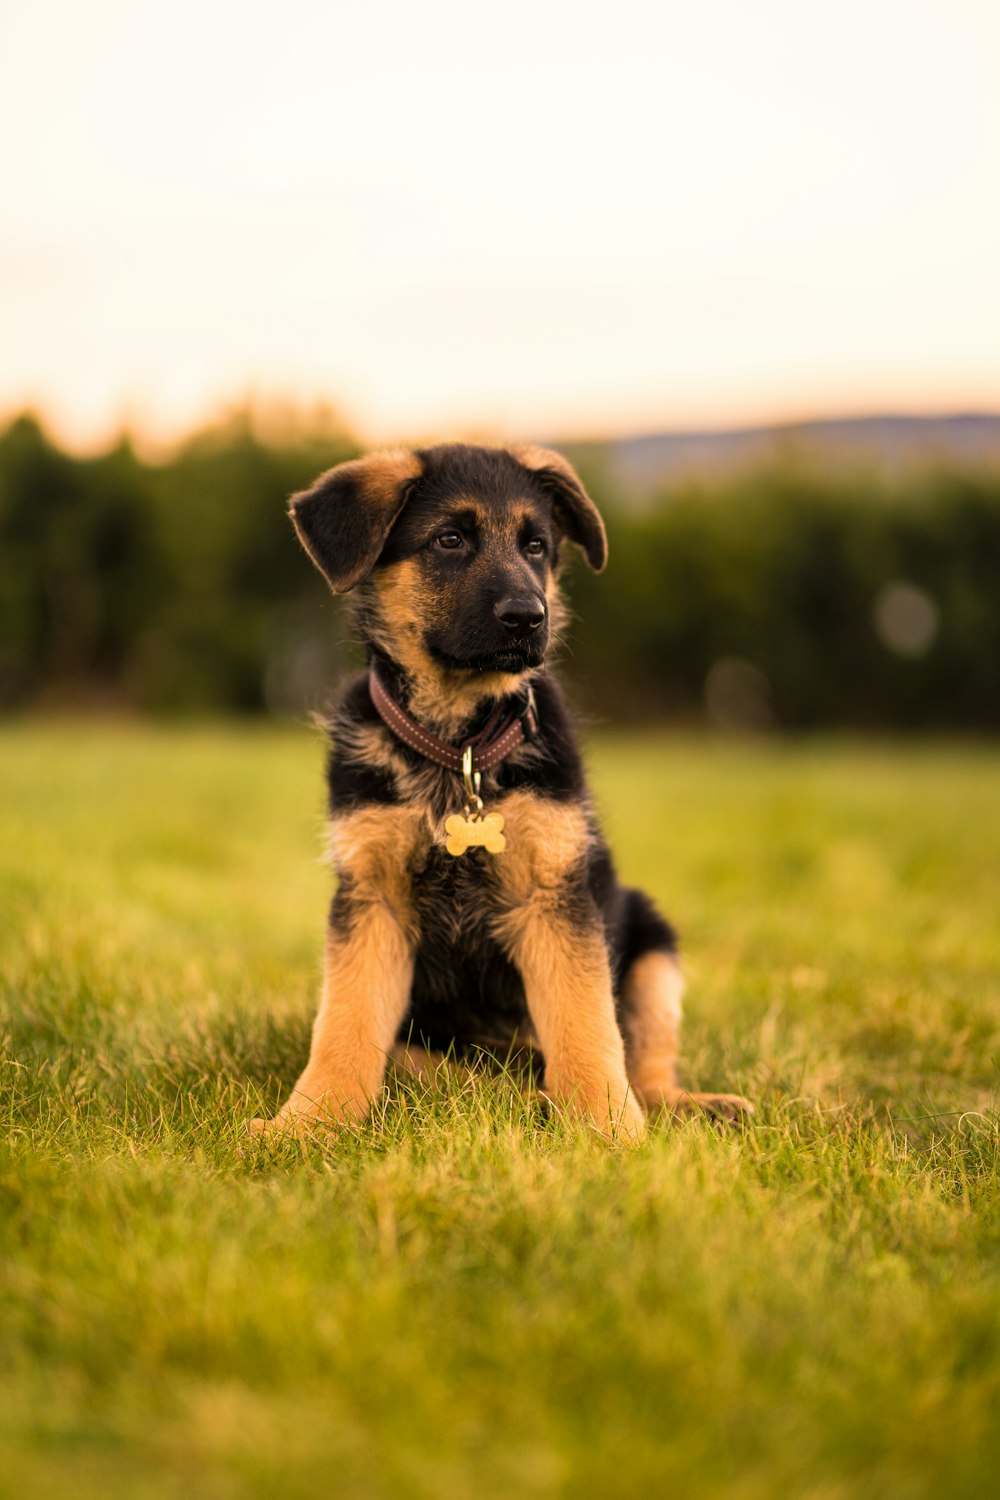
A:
(465, 989)
(543, 842)
(455, 897)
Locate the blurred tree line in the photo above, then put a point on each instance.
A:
(792, 596)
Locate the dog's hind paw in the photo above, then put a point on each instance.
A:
(732, 1109)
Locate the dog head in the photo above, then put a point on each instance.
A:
(453, 552)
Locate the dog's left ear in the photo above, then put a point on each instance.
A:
(344, 520)
(574, 510)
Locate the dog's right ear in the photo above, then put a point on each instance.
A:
(344, 520)
(573, 508)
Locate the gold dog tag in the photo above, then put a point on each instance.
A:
(476, 828)
(484, 832)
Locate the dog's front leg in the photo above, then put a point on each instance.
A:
(366, 988)
(553, 933)
(370, 947)
(564, 965)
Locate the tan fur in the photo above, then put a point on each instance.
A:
(546, 839)
(408, 1060)
(383, 474)
(448, 700)
(406, 609)
(369, 969)
(421, 1062)
(441, 699)
(566, 973)
(567, 982)
(372, 848)
(533, 456)
(651, 1006)
(365, 993)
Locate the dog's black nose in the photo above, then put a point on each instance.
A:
(520, 612)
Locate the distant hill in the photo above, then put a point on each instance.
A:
(891, 443)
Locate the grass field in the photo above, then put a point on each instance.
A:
(467, 1299)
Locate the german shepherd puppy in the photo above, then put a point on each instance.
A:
(504, 926)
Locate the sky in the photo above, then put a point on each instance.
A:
(530, 219)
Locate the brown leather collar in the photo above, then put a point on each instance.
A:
(507, 728)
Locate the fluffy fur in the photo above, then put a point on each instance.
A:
(453, 555)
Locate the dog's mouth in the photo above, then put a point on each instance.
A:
(512, 659)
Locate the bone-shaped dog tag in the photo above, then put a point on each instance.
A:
(464, 833)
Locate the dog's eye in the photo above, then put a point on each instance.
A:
(449, 541)
(536, 547)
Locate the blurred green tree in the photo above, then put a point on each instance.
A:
(790, 596)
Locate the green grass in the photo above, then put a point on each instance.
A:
(467, 1299)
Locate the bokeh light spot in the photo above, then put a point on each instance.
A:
(906, 619)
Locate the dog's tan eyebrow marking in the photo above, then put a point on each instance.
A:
(526, 518)
(517, 523)
(470, 510)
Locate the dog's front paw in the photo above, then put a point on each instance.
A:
(276, 1128)
(629, 1122)
(623, 1122)
(279, 1126)
(288, 1127)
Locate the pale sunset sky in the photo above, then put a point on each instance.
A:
(532, 219)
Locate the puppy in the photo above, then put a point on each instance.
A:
(477, 909)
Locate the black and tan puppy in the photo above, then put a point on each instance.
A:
(477, 907)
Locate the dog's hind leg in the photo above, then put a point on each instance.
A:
(650, 1014)
(411, 1060)
(415, 1061)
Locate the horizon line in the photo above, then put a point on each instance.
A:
(278, 411)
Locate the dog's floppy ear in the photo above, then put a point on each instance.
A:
(344, 519)
(574, 510)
